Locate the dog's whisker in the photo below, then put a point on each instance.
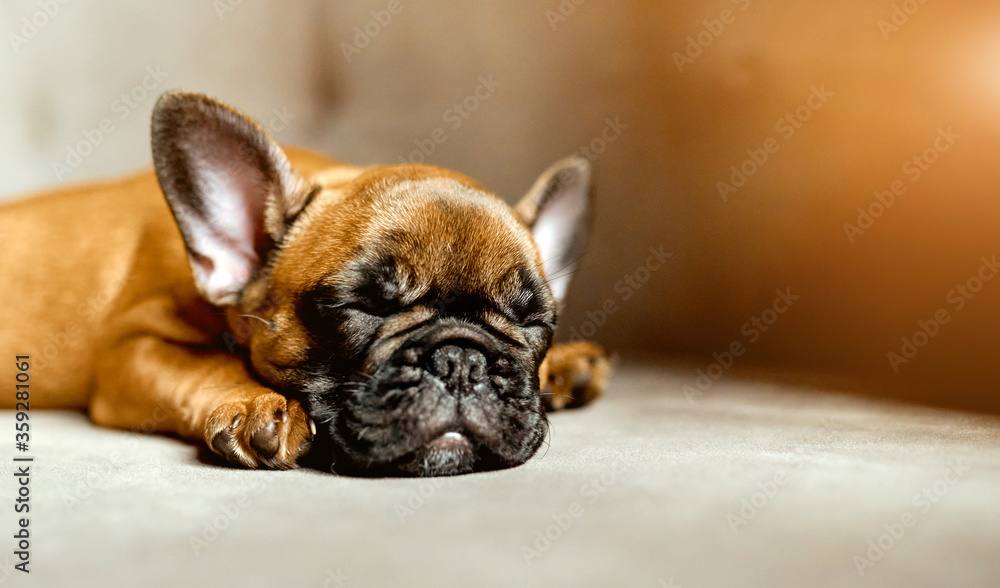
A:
(567, 271)
(570, 263)
(269, 324)
(546, 440)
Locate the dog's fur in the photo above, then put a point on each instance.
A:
(405, 309)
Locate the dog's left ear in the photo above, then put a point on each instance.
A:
(230, 187)
(557, 211)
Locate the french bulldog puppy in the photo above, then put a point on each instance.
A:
(395, 319)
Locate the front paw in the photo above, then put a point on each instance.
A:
(577, 375)
(268, 430)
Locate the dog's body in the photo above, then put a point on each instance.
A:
(95, 266)
(405, 306)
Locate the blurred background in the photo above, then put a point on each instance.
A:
(813, 186)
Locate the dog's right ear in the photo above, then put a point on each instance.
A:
(230, 187)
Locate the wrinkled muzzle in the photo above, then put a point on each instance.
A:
(450, 400)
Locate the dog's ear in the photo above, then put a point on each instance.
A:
(230, 187)
(556, 209)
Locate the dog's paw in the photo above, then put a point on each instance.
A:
(269, 431)
(577, 375)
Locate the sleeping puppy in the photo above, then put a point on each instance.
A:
(395, 319)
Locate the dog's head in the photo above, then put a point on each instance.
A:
(409, 307)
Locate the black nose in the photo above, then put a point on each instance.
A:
(458, 365)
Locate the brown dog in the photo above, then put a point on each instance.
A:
(405, 309)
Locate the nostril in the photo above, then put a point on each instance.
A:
(477, 366)
(446, 361)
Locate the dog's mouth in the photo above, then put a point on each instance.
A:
(432, 428)
(449, 454)
(453, 408)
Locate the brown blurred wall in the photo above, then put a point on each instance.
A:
(868, 96)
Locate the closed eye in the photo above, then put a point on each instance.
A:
(538, 323)
(361, 305)
(536, 320)
(527, 309)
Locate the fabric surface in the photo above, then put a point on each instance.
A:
(751, 484)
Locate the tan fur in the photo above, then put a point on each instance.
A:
(574, 374)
